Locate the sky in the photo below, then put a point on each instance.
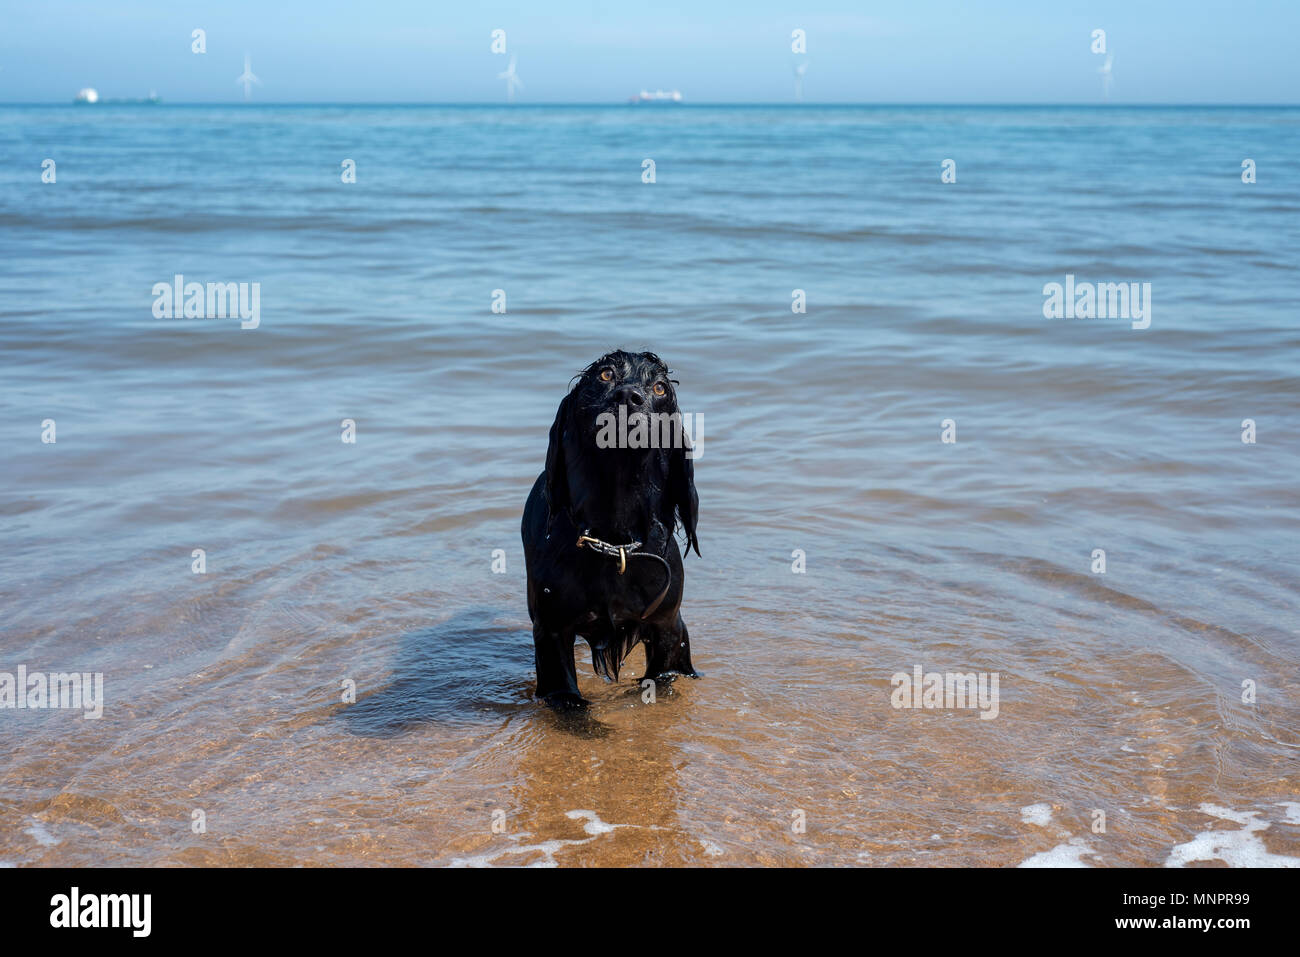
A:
(591, 51)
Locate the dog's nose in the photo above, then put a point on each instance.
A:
(629, 396)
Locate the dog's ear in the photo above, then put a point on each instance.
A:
(681, 491)
(557, 479)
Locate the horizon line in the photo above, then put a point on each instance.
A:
(657, 107)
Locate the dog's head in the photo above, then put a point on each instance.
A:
(590, 416)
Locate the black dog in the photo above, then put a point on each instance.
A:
(598, 529)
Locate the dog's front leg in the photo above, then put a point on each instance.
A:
(668, 651)
(557, 675)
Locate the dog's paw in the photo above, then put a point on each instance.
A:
(667, 676)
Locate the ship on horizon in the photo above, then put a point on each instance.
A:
(658, 96)
(90, 95)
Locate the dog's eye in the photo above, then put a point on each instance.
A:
(659, 388)
(606, 375)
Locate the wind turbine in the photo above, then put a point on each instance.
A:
(247, 78)
(512, 80)
(1104, 70)
(799, 70)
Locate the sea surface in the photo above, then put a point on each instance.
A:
(1147, 713)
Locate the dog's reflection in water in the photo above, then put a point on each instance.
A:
(578, 722)
(624, 769)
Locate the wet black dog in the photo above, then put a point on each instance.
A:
(599, 527)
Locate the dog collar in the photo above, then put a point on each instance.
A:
(622, 553)
(605, 548)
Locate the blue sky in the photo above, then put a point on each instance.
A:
(591, 51)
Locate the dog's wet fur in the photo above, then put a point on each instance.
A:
(617, 495)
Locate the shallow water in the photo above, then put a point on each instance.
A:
(1119, 692)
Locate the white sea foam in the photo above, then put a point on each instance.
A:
(592, 825)
(711, 849)
(1243, 848)
(1040, 814)
(1069, 854)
